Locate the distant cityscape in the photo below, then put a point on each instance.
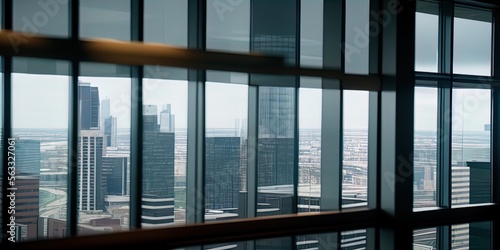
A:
(104, 170)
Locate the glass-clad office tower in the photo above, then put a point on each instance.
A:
(250, 124)
(158, 171)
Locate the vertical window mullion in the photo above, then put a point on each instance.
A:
(136, 157)
(397, 123)
(331, 117)
(373, 192)
(195, 186)
(6, 23)
(331, 132)
(444, 137)
(252, 151)
(296, 115)
(73, 132)
(495, 126)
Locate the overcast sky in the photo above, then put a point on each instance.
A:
(40, 101)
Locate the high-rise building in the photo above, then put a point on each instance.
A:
(276, 160)
(27, 182)
(27, 197)
(222, 172)
(108, 123)
(91, 145)
(105, 110)
(110, 131)
(114, 175)
(89, 106)
(91, 148)
(158, 171)
(167, 119)
(28, 157)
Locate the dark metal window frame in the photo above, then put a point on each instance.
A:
(391, 84)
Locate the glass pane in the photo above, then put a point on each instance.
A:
(228, 29)
(40, 129)
(276, 150)
(309, 149)
(226, 135)
(105, 19)
(471, 55)
(425, 147)
(357, 36)
(274, 32)
(104, 165)
(475, 235)
(426, 42)
(228, 25)
(311, 33)
(166, 22)
(471, 146)
(425, 239)
(41, 17)
(355, 163)
(164, 147)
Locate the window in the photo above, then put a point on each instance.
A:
(104, 144)
(314, 122)
(40, 129)
(425, 147)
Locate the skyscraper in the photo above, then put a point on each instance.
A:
(105, 110)
(91, 149)
(222, 174)
(158, 171)
(114, 174)
(27, 203)
(167, 119)
(91, 145)
(89, 106)
(28, 157)
(110, 131)
(108, 123)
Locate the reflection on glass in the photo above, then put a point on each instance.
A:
(311, 33)
(426, 42)
(471, 55)
(475, 235)
(425, 147)
(105, 19)
(104, 156)
(164, 152)
(166, 22)
(471, 146)
(425, 239)
(355, 239)
(355, 163)
(225, 150)
(228, 245)
(41, 17)
(228, 25)
(276, 150)
(357, 36)
(309, 149)
(40, 129)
